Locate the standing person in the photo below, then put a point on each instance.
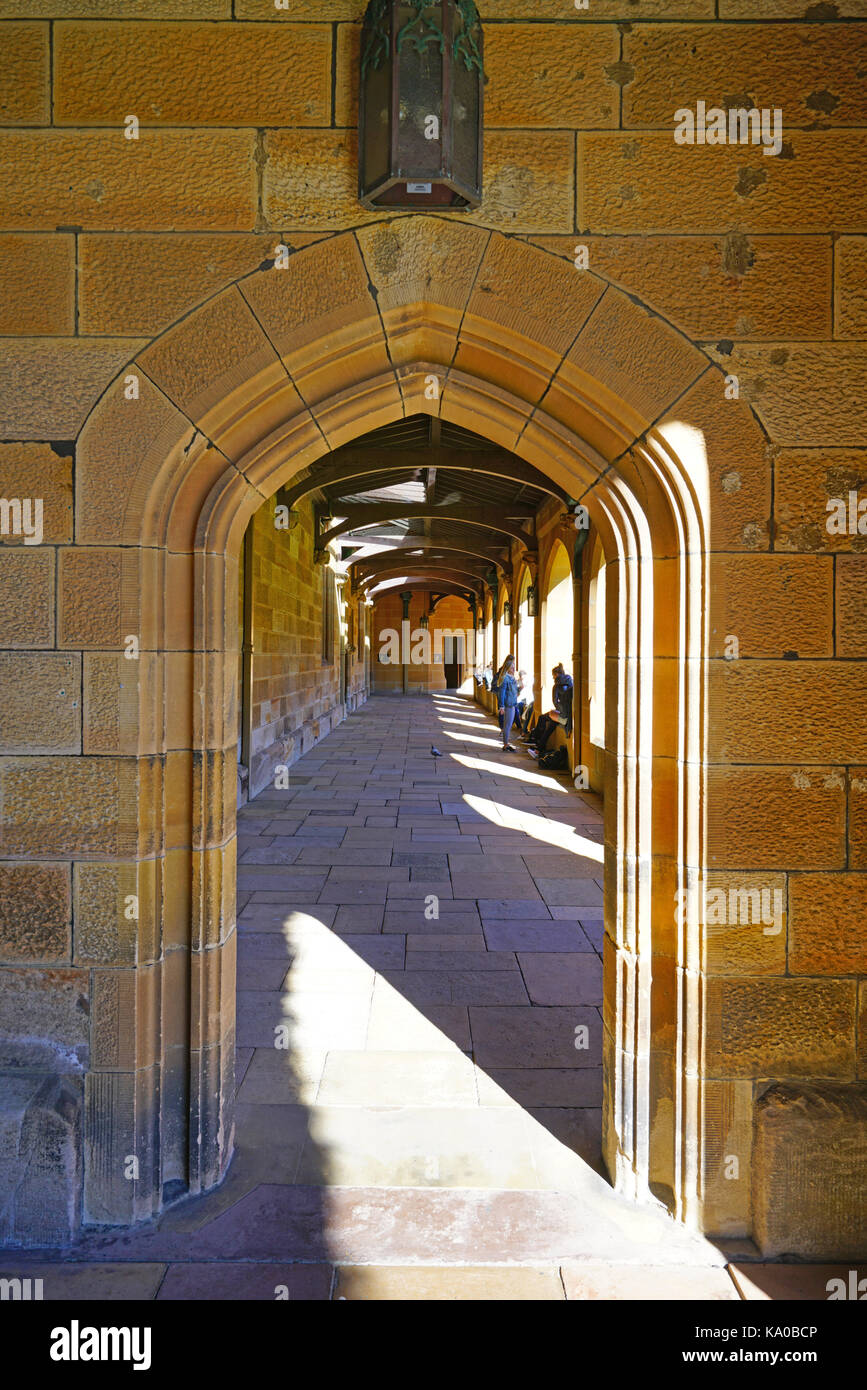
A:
(561, 713)
(507, 700)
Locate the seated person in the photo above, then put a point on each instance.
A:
(561, 714)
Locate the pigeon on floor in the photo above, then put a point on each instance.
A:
(435, 752)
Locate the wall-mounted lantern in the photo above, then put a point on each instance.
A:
(423, 621)
(420, 105)
(531, 601)
(507, 613)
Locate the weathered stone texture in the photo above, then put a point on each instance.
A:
(98, 180)
(777, 818)
(850, 287)
(850, 605)
(48, 385)
(805, 395)
(44, 1020)
(26, 597)
(311, 180)
(24, 85)
(191, 74)
(40, 711)
(67, 806)
(775, 606)
(735, 286)
(37, 284)
(827, 935)
(807, 480)
(625, 184)
(35, 912)
(40, 1160)
(788, 711)
(105, 934)
(811, 74)
(810, 1171)
(141, 284)
(781, 1028)
(40, 471)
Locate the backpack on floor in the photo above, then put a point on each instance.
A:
(555, 761)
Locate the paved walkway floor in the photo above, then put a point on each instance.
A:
(419, 967)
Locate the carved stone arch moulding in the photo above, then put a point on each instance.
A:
(249, 392)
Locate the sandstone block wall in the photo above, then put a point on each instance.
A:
(758, 261)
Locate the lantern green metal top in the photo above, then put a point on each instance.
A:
(420, 104)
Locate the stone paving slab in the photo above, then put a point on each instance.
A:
(759, 1282)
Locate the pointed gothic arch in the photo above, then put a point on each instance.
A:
(238, 399)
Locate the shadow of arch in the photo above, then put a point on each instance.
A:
(244, 395)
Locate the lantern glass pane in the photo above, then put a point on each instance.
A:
(420, 86)
(466, 117)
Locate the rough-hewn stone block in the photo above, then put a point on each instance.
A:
(118, 9)
(745, 933)
(804, 395)
(806, 481)
(41, 707)
(727, 448)
(192, 74)
(850, 287)
(26, 597)
(97, 597)
(311, 180)
(811, 75)
(732, 286)
(781, 1028)
(776, 606)
(35, 912)
(40, 471)
(537, 75)
(850, 605)
(44, 1019)
(788, 712)
(48, 385)
(810, 1171)
(68, 807)
(827, 935)
(105, 934)
(141, 284)
(625, 184)
(858, 818)
(776, 818)
(37, 284)
(165, 181)
(24, 87)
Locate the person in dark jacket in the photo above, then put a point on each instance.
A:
(507, 700)
(561, 713)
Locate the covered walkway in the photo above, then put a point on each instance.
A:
(419, 1043)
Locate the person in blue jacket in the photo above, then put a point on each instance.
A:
(507, 700)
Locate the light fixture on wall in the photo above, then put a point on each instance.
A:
(531, 602)
(420, 105)
(507, 613)
(423, 621)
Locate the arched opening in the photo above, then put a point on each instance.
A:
(558, 617)
(177, 516)
(526, 634)
(504, 626)
(595, 667)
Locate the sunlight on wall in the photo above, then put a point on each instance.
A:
(557, 615)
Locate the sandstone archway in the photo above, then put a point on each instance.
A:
(246, 394)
